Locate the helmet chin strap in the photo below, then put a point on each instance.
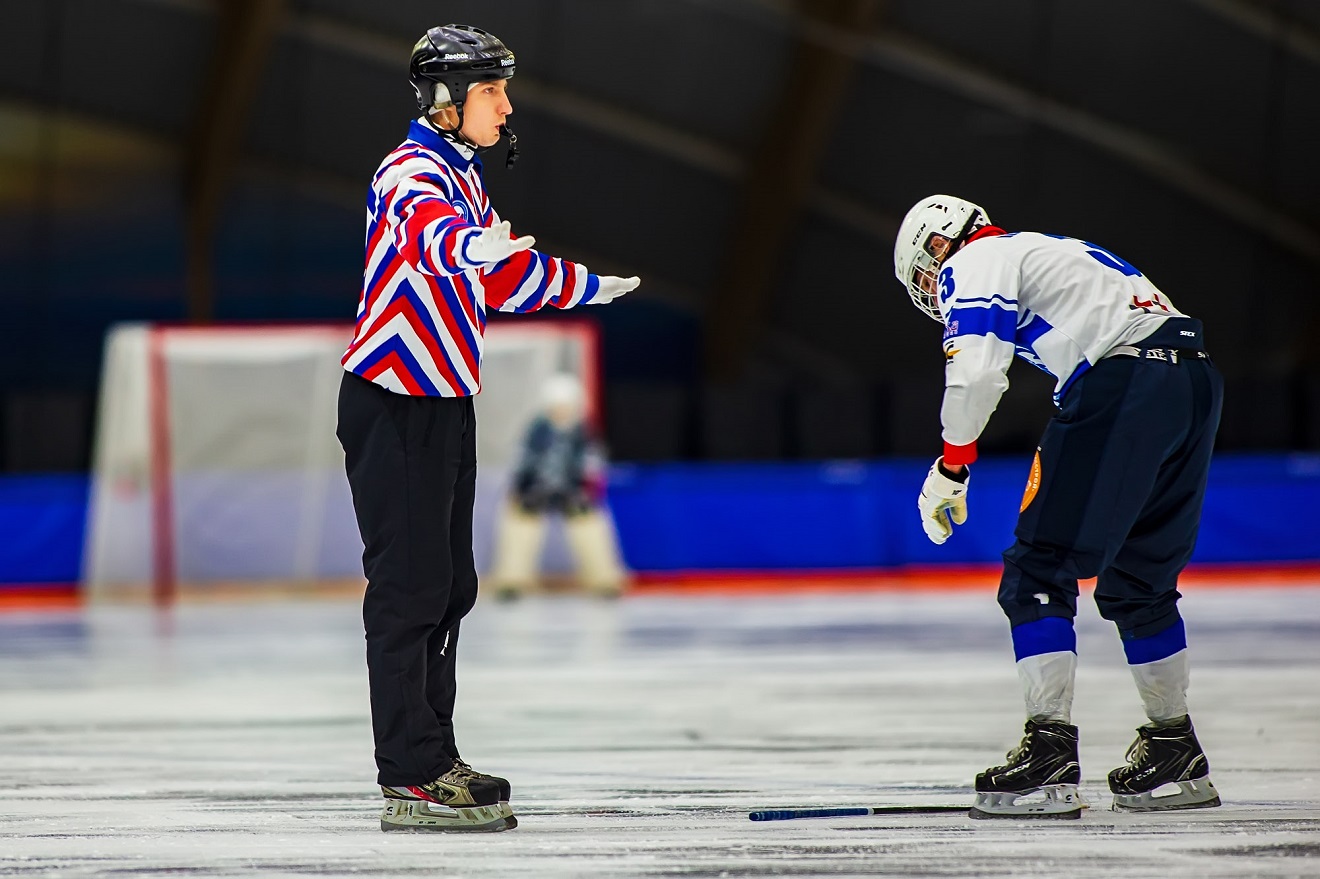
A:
(968, 228)
(458, 136)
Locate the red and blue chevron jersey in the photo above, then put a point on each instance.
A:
(422, 316)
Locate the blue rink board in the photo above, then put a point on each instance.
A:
(783, 516)
(864, 515)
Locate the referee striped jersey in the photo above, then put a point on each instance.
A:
(422, 316)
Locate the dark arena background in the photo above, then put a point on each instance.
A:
(183, 185)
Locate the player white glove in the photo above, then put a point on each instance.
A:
(612, 288)
(494, 244)
(942, 499)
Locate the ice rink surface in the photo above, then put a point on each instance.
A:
(234, 740)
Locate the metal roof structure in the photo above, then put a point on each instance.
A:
(748, 158)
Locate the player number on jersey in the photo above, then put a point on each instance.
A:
(1117, 263)
(1113, 261)
(946, 284)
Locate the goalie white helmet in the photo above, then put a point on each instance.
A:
(563, 399)
(932, 231)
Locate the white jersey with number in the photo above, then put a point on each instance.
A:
(1059, 303)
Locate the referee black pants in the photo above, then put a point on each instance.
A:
(1121, 473)
(412, 467)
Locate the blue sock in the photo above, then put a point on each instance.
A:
(1045, 635)
(1155, 647)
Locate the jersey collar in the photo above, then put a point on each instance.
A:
(985, 232)
(457, 155)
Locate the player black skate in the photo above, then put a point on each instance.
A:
(1045, 763)
(1164, 757)
(506, 789)
(459, 800)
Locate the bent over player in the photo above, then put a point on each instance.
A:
(1115, 490)
(437, 257)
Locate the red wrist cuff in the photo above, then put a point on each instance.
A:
(960, 454)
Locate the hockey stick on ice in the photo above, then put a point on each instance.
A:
(787, 814)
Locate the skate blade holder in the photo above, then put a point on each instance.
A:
(1061, 801)
(424, 816)
(1199, 793)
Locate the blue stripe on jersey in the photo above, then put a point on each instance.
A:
(423, 315)
(996, 299)
(996, 320)
(443, 182)
(1027, 334)
(1159, 646)
(1077, 373)
(455, 303)
(378, 277)
(517, 288)
(1046, 635)
(395, 345)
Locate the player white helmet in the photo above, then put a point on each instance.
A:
(934, 228)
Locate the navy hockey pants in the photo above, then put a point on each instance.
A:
(1122, 470)
(412, 467)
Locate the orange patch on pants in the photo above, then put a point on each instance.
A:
(1033, 483)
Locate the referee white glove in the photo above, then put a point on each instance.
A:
(494, 243)
(943, 502)
(612, 288)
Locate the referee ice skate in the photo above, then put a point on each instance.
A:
(1115, 489)
(437, 257)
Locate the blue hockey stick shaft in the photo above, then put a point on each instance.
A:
(788, 814)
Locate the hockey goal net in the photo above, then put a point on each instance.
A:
(216, 464)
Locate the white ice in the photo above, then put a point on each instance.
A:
(234, 740)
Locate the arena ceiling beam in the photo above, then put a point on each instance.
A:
(778, 183)
(617, 123)
(900, 54)
(244, 32)
(1264, 21)
(915, 61)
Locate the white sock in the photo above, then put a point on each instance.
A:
(1163, 686)
(1047, 685)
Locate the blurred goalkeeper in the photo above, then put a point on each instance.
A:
(437, 257)
(1115, 489)
(561, 473)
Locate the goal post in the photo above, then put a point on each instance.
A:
(216, 466)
